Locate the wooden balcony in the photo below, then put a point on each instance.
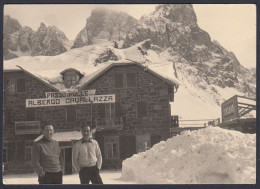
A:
(27, 127)
(115, 123)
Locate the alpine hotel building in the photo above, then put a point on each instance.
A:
(126, 103)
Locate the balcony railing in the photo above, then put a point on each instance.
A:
(27, 127)
(109, 123)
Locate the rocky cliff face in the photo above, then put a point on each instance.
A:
(20, 40)
(174, 29)
(104, 25)
(11, 26)
(173, 26)
(48, 41)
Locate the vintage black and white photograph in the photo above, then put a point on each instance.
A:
(129, 94)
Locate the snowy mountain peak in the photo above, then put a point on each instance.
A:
(179, 13)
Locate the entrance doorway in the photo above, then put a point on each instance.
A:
(67, 157)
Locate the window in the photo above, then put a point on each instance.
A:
(20, 85)
(15, 85)
(71, 113)
(119, 82)
(28, 150)
(125, 80)
(9, 152)
(28, 153)
(70, 80)
(109, 110)
(130, 80)
(30, 114)
(141, 109)
(10, 86)
(5, 152)
(111, 147)
(71, 77)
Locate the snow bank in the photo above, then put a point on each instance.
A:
(207, 156)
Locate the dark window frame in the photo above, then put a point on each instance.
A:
(71, 79)
(17, 85)
(10, 86)
(130, 83)
(28, 150)
(20, 85)
(110, 111)
(121, 80)
(5, 152)
(112, 141)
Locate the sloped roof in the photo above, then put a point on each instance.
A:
(99, 72)
(19, 68)
(48, 69)
(87, 79)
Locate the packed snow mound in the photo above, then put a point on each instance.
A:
(207, 156)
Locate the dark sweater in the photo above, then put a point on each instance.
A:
(46, 156)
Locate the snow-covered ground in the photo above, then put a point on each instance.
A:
(210, 155)
(108, 177)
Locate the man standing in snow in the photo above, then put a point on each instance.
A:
(46, 158)
(87, 158)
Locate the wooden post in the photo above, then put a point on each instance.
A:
(91, 115)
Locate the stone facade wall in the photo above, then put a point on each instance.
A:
(149, 88)
(15, 107)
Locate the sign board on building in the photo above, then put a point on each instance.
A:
(229, 109)
(42, 102)
(67, 94)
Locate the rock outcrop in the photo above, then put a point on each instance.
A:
(20, 40)
(104, 25)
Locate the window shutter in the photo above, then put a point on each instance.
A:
(118, 109)
(21, 85)
(131, 80)
(102, 111)
(11, 151)
(119, 82)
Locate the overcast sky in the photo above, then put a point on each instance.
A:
(233, 26)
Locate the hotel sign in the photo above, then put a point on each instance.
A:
(42, 102)
(229, 109)
(66, 94)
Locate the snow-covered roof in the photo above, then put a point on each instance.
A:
(64, 136)
(48, 69)
(96, 74)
